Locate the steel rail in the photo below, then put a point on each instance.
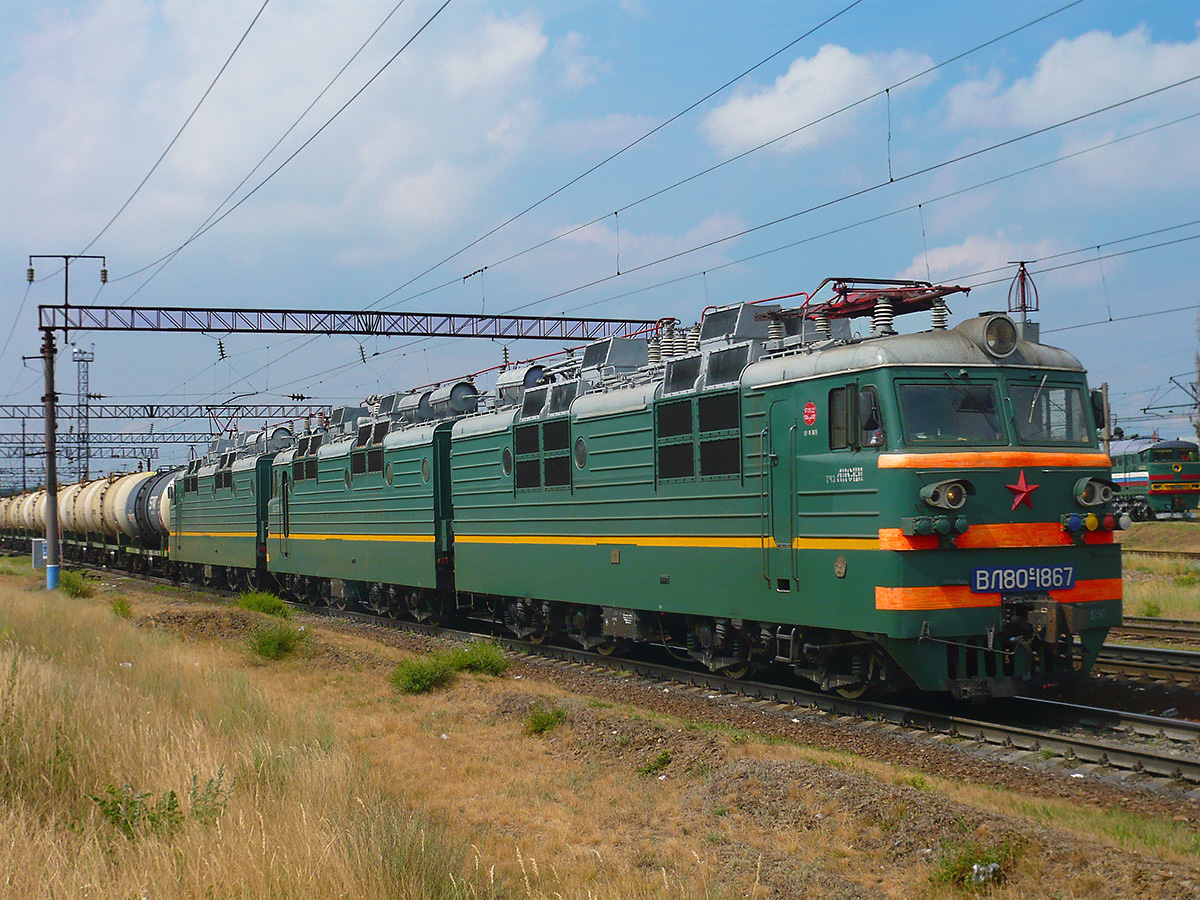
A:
(1145, 626)
(1165, 554)
(1151, 662)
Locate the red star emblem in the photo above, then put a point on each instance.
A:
(1021, 491)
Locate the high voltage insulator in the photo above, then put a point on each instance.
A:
(362, 353)
(221, 351)
(29, 274)
(104, 276)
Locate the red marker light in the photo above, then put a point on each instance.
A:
(1110, 522)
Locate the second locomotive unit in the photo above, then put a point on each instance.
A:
(877, 511)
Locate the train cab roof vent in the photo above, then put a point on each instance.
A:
(743, 321)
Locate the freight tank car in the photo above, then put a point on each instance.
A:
(1157, 478)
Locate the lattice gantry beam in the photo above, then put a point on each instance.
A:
(105, 442)
(273, 411)
(337, 322)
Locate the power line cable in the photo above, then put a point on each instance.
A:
(186, 121)
(872, 188)
(876, 218)
(706, 171)
(171, 255)
(563, 187)
(657, 128)
(944, 196)
(296, 152)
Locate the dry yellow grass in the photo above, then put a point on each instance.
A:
(86, 701)
(1154, 586)
(342, 787)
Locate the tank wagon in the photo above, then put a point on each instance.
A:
(874, 511)
(1157, 478)
(120, 520)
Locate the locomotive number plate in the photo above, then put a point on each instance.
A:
(994, 579)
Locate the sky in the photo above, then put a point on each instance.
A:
(872, 166)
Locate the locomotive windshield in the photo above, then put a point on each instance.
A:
(1051, 414)
(941, 413)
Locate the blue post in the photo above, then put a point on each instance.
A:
(51, 578)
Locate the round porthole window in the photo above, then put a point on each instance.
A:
(580, 453)
(506, 461)
(425, 469)
(346, 476)
(387, 473)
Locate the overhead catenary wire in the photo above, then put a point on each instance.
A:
(186, 122)
(925, 170)
(341, 109)
(716, 166)
(166, 258)
(661, 191)
(615, 154)
(1025, 170)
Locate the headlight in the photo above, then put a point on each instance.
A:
(1093, 492)
(947, 494)
(1000, 336)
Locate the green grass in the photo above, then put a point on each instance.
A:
(655, 765)
(1151, 609)
(955, 865)
(73, 584)
(263, 602)
(424, 674)
(277, 641)
(482, 657)
(120, 607)
(543, 718)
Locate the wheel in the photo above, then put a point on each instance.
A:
(853, 691)
(737, 672)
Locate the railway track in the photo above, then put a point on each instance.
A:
(1145, 627)
(1165, 554)
(1167, 750)
(1156, 663)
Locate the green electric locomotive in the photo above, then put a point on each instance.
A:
(870, 510)
(1157, 478)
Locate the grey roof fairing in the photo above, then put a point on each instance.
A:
(948, 348)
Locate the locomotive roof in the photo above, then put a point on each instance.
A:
(960, 346)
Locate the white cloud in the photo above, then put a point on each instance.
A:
(1077, 75)
(501, 51)
(578, 68)
(93, 95)
(978, 253)
(812, 87)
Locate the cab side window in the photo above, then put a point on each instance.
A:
(855, 419)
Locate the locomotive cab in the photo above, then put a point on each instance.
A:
(947, 512)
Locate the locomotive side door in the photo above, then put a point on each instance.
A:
(780, 486)
(285, 509)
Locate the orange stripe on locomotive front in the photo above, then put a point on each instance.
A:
(959, 596)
